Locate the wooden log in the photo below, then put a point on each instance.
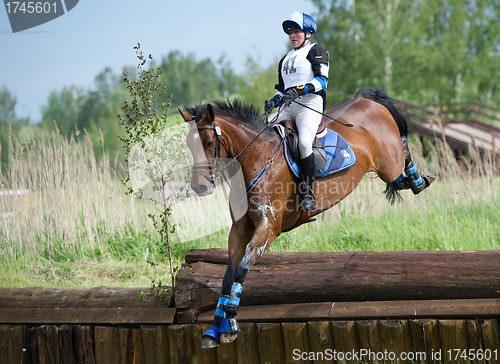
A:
(475, 335)
(248, 344)
(44, 355)
(125, 347)
(31, 346)
(220, 256)
(418, 341)
(115, 315)
(65, 344)
(345, 338)
(85, 344)
(155, 342)
(203, 356)
(358, 276)
(416, 308)
(277, 313)
(321, 339)
(135, 350)
(432, 341)
(426, 339)
(454, 340)
(271, 343)
(180, 340)
(107, 344)
(98, 297)
(395, 336)
(295, 338)
(227, 353)
(369, 338)
(490, 333)
(131, 346)
(488, 307)
(12, 344)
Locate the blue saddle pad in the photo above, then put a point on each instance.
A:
(338, 152)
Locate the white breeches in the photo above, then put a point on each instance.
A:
(307, 121)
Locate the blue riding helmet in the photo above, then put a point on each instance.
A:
(300, 21)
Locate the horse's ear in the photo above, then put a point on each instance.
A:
(210, 113)
(186, 117)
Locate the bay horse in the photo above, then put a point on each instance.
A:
(235, 130)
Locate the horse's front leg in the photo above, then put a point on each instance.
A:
(227, 305)
(265, 225)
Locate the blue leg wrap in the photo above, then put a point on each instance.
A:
(410, 169)
(213, 332)
(229, 324)
(220, 317)
(415, 180)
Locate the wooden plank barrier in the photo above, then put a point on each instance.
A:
(415, 323)
(369, 341)
(279, 278)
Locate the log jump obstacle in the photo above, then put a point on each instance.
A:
(296, 308)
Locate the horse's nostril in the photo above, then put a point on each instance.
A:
(200, 189)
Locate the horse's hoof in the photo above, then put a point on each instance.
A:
(226, 338)
(209, 343)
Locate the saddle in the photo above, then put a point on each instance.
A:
(293, 142)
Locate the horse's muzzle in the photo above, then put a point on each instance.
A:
(202, 189)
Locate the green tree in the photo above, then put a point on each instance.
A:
(9, 123)
(192, 82)
(63, 108)
(420, 50)
(93, 111)
(7, 106)
(260, 83)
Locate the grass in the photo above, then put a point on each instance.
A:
(77, 228)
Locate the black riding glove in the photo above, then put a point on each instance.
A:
(292, 94)
(271, 104)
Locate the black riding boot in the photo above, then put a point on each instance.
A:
(307, 199)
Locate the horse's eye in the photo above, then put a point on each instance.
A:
(209, 144)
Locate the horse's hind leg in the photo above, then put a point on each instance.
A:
(413, 180)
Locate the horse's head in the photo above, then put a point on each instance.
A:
(208, 147)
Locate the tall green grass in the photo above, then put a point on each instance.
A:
(77, 228)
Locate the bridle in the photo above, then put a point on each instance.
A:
(215, 167)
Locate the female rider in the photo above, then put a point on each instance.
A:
(302, 76)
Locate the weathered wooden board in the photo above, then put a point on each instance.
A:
(488, 307)
(220, 256)
(98, 297)
(115, 315)
(343, 277)
(257, 342)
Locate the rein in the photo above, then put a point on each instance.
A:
(319, 112)
(218, 170)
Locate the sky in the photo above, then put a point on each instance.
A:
(73, 48)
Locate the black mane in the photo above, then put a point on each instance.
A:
(236, 109)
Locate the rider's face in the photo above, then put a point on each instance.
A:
(296, 37)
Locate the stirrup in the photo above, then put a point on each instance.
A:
(308, 202)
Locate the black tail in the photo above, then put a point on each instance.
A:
(380, 96)
(391, 193)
